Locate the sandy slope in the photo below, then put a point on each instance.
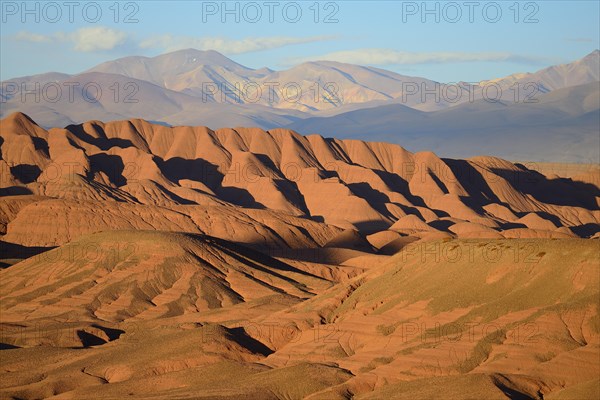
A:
(462, 317)
(140, 261)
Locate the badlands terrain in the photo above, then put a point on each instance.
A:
(145, 261)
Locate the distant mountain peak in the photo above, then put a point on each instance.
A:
(20, 118)
(208, 55)
(593, 56)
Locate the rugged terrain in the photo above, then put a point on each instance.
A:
(146, 261)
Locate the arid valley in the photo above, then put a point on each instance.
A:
(143, 261)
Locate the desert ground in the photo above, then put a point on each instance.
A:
(140, 261)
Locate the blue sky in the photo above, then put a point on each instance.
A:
(455, 41)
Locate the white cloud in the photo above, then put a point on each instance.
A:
(101, 38)
(84, 39)
(97, 38)
(32, 37)
(224, 45)
(395, 57)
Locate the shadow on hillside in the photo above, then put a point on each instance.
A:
(241, 337)
(586, 230)
(373, 197)
(172, 196)
(112, 166)
(397, 184)
(255, 258)
(41, 144)
(238, 196)
(472, 181)
(291, 192)
(441, 224)
(318, 255)
(89, 339)
(15, 191)
(102, 142)
(512, 225)
(366, 191)
(367, 227)
(26, 173)
(200, 170)
(558, 191)
(12, 253)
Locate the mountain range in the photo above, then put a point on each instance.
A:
(558, 105)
